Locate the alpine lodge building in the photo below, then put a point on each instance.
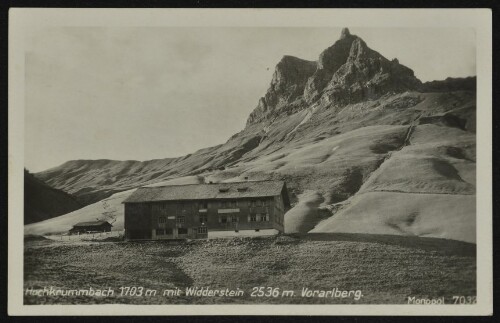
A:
(199, 211)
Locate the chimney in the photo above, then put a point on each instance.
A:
(246, 178)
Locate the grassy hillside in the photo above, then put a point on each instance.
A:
(386, 269)
(424, 215)
(43, 202)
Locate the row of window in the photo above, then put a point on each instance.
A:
(252, 203)
(258, 218)
(264, 217)
(221, 204)
(251, 218)
(200, 230)
(170, 231)
(228, 218)
(178, 219)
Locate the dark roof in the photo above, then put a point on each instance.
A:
(207, 191)
(91, 224)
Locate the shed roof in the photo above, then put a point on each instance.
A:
(91, 224)
(233, 190)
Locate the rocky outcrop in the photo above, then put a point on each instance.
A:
(346, 72)
(287, 85)
(367, 75)
(330, 60)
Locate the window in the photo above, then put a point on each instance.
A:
(182, 230)
(160, 232)
(203, 205)
(234, 218)
(267, 202)
(202, 230)
(161, 219)
(253, 217)
(259, 203)
(234, 204)
(203, 218)
(169, 231)
(263, 217)
(252, 203)
(180, 219)
(223, 219)
(228, 204)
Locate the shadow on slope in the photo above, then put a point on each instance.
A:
(305, 214)
(42, 202)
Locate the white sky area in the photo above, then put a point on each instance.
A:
(148, 93)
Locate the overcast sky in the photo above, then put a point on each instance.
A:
(146, 93)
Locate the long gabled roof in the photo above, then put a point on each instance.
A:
(233, 190)
(91, 224)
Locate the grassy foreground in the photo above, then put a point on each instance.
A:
(386, 269)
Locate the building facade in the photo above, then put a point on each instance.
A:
(199, 211)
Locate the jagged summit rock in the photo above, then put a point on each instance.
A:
(345, 33)
(288, 82)
(346, 72)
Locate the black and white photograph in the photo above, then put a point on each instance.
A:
(250, 157)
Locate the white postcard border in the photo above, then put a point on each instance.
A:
(22, 20)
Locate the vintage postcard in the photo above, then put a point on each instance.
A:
(250, 162)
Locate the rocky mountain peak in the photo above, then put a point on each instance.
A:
(334, 56)
(346, 72)
(287, 84)
(345, 33)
